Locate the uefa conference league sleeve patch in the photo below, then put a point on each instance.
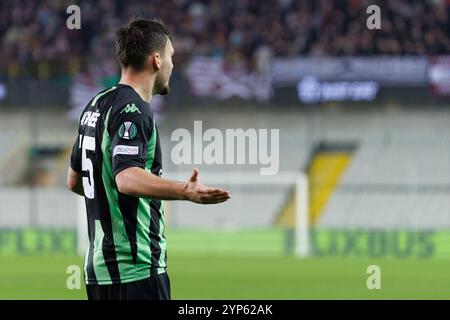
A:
(127, 130)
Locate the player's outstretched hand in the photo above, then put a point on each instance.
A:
(198, 193)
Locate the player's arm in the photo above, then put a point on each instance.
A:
(74, 182)
(138, 182)
(131, 140)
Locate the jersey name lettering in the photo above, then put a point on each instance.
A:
(89, 118)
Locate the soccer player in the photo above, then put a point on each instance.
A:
(116, 165)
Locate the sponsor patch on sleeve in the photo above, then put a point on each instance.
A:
(126, 150)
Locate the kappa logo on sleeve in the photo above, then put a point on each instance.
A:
(127, 130)
(130, 108)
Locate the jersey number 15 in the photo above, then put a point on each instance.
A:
(86, 165)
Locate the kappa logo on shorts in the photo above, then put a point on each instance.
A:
(127, 130)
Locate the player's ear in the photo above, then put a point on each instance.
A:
(156, 61)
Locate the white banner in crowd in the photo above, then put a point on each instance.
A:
(387, 71)
(208, 77)
(317, 79)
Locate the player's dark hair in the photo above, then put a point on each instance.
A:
(137, 40)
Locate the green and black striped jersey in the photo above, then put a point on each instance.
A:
(126, 233)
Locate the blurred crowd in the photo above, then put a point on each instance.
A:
(244, 32)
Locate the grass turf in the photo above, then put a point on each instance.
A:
(224, 276)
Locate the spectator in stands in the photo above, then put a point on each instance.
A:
(247, 31)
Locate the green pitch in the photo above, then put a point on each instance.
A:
(214, 277)
(220, 271)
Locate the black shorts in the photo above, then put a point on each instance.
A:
(156, 287)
